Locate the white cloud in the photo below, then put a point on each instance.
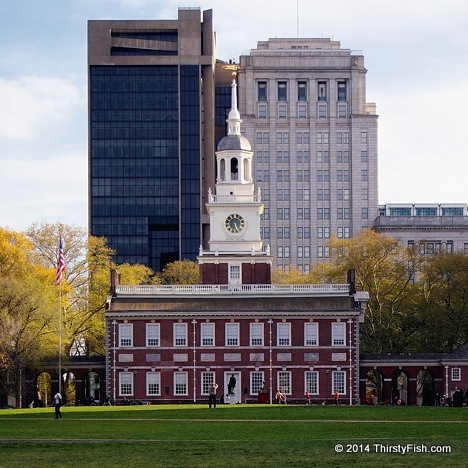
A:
(31, 104)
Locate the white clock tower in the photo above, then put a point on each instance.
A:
(235, 211)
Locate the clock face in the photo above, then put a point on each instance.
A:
(234, 223)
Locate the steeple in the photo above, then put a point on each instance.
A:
(234, 119)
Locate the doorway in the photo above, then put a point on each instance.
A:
(232, 387)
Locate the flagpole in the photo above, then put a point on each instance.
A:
(60, 341)
(58, 282)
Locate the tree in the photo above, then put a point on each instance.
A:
(28, 312)
(444, 303)
(181, 272)
(385, 270)
(136, 274)
(86, 283)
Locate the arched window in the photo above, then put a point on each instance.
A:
(374, 387)
(234, 169)
(399, 388)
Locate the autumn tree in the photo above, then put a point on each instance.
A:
(28, 312)
(181, 272)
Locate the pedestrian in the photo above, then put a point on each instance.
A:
(307, 398)
(212, 393)
(336, 397)
(57, 405)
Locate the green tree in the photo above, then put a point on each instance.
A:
(443, 307)
(136, 274)
(386, 271)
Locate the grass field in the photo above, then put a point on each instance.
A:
(234, 436)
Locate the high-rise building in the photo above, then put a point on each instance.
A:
(314, 135)
(151, 135)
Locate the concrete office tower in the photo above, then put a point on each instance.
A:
(304, 109)
(151, 135)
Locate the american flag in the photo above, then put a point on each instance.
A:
(60, 263)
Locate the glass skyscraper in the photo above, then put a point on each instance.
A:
(149, 140)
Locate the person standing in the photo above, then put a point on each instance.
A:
(57, 405)
(336, 397)
(212, 393)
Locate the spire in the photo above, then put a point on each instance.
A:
(234, 119)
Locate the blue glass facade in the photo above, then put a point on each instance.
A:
(143, 198)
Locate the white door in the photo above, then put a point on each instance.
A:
(232, 387)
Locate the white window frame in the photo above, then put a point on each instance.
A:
(207, 334)
(126, 384)
(311, 334)
(311, 379)
(456, 374)
(283, 330)
(339, 382)
(256, 334)
(257, 379)
(338, 333)
(153, 333)
(180, 334)
(207, 378)
(153, 384)
(232, 334)
(180, 383)
(125, 335)
(284, 382)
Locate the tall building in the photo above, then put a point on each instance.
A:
(151, 135)
(315, 142)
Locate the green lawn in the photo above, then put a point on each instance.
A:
(233, 435)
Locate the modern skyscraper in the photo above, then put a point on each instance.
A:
(151, 135)
(304, 109)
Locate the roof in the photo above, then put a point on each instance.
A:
(234, 142)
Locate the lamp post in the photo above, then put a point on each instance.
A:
(326, 396)
(270, 323)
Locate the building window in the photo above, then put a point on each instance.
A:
(284, 334)
(282, 91)
(153, 383)
(152, 334)
(262, 111)
(302, 91)
(338, 382)
(207, 379)
(342, 91)
(262, 90)
(257, 380)
(364, 194)
(456, 373)
(180, 334)
(311, 382)
(364, 156)
(322, 91)
(364, 138)
(207, 331)
(180, 383)
(256, 334)
(364, 213)
(311, 334)
(282, 114)
(232, 334)
(364, 175)
(126, 335)
(284, 382)
(342, 111)
(302, 111)
(126, 383)
(322, 111)
(338, 334)
(234, 273)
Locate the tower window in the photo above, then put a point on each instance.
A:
(342, 95)
(322, 91)
(282, 91)
(262, 91)
(302, 91)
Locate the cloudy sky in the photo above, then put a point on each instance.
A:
(416, 53)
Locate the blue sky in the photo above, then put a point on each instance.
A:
(416, 53)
